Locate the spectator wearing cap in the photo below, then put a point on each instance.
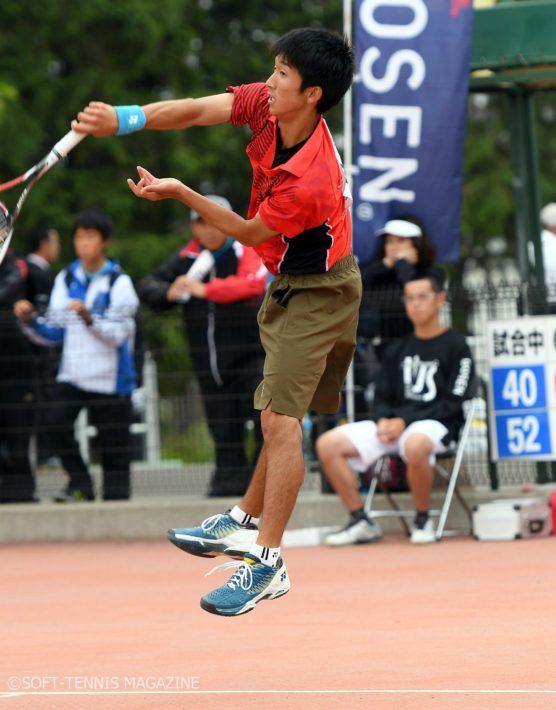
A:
(548, 239)
(220, 304)
(404, 247)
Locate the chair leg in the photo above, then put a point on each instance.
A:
(463, 504)
(392, 501)
(370, 495)
(452, 483)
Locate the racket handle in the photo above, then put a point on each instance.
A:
(68, 142)
(199, 269)
(201, 266)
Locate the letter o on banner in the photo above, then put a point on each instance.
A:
(397, 31)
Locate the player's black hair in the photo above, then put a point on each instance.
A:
(93, 218)
(37, 235)
(435, 275)
(323, 58)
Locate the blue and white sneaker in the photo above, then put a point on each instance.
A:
(218, 535)
(247, 586)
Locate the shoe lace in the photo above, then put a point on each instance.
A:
(242, 578)
(211, 522)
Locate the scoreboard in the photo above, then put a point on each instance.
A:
(522, 364)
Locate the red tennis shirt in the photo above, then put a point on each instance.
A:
(304, 199)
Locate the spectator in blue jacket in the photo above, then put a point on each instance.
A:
(92, 313)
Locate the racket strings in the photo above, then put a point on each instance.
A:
(5, 222)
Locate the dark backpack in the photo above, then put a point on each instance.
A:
(393, 476)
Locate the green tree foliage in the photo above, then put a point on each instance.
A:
(488, 198)
(487, 195)
(57, 56)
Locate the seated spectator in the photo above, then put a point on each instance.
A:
(423, 382)
(91, 312)
(220, 319)
(404, 247)
(43, 243)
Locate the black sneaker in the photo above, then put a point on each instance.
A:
(74, 496)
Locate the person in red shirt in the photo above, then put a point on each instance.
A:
(299, 223)
(220, 304)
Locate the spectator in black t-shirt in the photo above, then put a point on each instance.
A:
(423, 382)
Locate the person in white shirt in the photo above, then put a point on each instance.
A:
(548, 239)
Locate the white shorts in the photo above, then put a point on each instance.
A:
(363, 437)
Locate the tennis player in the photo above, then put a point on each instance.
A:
(299, 223)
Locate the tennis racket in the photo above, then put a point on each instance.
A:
(7, 218)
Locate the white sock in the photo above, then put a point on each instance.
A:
(267, 555)
(241, 517)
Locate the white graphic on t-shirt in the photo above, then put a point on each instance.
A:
(418, 378)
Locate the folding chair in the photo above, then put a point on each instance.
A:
(449, 474)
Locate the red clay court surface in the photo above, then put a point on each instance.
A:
(460, 625)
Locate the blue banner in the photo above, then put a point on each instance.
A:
(410, 98)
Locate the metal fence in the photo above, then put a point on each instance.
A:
(173, 451)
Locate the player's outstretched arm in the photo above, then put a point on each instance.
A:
(184, 113)
(249, 232)
(100, 119)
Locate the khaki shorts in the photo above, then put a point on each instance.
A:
(308, 330)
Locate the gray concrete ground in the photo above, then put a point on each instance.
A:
(173, 495)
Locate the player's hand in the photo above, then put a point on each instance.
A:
(152, 188)
(77, 306)
(409, 253)
(388, 430)
(185, 284)
(23, 310)
(390, 255)
(97, 119)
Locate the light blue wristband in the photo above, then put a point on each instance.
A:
(130, 119)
